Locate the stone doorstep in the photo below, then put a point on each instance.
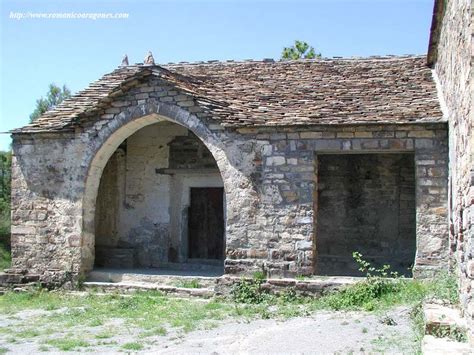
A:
(442, 346)
(13, 278)
(134, 286)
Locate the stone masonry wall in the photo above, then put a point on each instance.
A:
(454, 70)
(286, 181)
(269, 176)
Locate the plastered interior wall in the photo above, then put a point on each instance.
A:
(366, 203)
(141, 215)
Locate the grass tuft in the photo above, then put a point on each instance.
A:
(188, 283)
(132, 346)
(66, 344)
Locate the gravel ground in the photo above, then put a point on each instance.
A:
(321, 332)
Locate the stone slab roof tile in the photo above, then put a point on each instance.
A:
(394, 90)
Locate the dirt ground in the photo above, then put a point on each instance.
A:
(321, 332)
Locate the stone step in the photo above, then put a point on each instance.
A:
(440, 316)
(151, 277)
(443, 346)
(221, 285)
(137, 286)
(9, 278)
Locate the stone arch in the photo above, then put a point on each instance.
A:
(104, 142)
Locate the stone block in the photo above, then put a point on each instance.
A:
(275, 161)
(304, 245)
(424, 143)
(369, 143)
(20, 229)
(363, 134)
(311, 135)
(334, 145)
(345, 134)
(421, 134)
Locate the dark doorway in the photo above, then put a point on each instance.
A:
(366, 203)
(206, 223)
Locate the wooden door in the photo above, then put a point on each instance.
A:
(206, 223)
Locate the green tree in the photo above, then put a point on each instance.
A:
(5, 175)
(300, 50)
(54, 97)
(5, 193)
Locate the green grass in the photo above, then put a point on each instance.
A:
(188, 284)
(161, 331)
(67, 344)
(28, 333)
(145, 310)
(104, 335)
(132, 346)
(151, 313)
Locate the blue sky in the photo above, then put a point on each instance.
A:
(36, 52)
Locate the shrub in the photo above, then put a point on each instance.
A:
(378, 282)
(249, 291)
(5, 257)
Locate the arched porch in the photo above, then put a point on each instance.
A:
(154, 198)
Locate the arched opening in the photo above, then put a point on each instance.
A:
(155, 199)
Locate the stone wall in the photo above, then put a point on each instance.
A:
(286, 181)
(269, 176)
(366, 203)
(454, 70)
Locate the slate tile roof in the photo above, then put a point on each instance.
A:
(393, 90)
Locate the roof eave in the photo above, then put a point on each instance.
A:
(436, 24)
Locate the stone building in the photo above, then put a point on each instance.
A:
(450, 54)
(281, 167)
(285, 167)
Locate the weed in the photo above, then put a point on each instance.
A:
(80, 281)
(28, 333)
(3, 350)
(444, 288)
(454, 333)
(104, 335)
(289, 295)
(95, 322)
(259, 275)
(66, 344)
(103, 342)
(249, 291)
(189, 284)
(366, 294)
(132, 346)
(161, 331)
